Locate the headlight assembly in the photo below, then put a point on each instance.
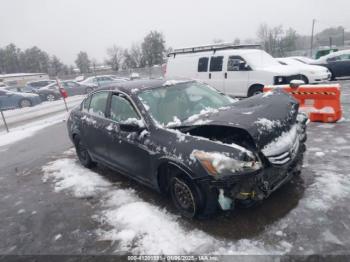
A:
(217, 163)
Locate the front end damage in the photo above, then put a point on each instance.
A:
(280, 161)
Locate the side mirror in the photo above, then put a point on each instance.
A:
(131, 127)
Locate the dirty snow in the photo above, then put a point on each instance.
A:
(138, 226)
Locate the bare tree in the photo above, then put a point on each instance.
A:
(115, 57)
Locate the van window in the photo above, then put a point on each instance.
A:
(216, 63)
(203, 64)
(236, 63)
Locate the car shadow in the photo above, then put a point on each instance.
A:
(237, 224)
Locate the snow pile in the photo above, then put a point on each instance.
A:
(133, 121)
(22, 132)
(138, 226)
(203, 112)
(176, 122)
(174, 82)
(69, 175)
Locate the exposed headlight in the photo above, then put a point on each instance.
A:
(217, 163)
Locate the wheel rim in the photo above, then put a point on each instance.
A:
(50, 97)
(184, 196)
(88, 90)
(25, 103)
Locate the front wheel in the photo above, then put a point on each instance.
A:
(185, 195)
(83, 154)
(50, 97)
(255, 90)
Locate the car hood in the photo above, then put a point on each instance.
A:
(281, 70)
(265, 117)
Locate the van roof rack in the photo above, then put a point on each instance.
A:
(212, 47)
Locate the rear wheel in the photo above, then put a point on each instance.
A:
(50, 97)
(83, 154)
(25, 103)
(255, 90)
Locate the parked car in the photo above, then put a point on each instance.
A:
(11, 100)
(51, 92)
(235, 71)
(191, 141)
(309, 73)
(102, 81)
(31, 86)
(338, 63)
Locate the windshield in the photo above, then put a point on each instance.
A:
(176, 103)
(260, 59)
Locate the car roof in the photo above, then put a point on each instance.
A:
(130, 86)
(333, 54)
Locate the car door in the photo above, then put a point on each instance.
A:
(216, 75)
(126, 147)
(94, 123)
(236, 76)
(335, 66)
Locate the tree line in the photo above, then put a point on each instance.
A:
(34, 60)
(151, 51)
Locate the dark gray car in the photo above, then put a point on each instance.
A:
(11, 100)
(34, 85)
(51, 92)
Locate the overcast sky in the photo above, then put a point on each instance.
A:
(64, 27)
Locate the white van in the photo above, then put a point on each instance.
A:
(234, 70)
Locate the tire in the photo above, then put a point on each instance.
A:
(88, 90)
(25, 103)
(50, 97)
(255, 90)
(186, 196)
(82, 153)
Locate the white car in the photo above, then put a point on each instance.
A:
(311, 74)
(234, 70)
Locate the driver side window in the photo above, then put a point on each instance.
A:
(236, 63)
(122, 109)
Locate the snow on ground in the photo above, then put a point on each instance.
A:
(139, 226)
(24, 131)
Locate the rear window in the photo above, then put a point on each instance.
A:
(216, 63)
(203, 64)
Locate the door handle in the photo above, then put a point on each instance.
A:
(209, 75)
(225, 75)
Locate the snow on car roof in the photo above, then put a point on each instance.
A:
(135, 85)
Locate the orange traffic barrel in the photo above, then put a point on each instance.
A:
(320, 102)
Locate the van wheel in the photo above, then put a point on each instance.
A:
(255, 90)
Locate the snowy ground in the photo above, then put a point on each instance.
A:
(307, 216)
(46, 109)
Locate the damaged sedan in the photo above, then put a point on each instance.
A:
(185, 139)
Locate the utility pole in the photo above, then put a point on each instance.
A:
(312, 36)
(343, 36)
